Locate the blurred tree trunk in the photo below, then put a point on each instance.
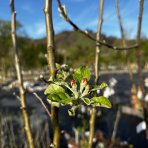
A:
(139, 63)
(134, 99)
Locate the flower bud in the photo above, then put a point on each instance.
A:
(84, 81)
(73, 85)
(72, 82)
(83, 84)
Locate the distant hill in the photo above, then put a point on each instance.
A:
(72, 48)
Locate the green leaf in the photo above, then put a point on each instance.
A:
(101, 101)
(63, 95)
(54, 89)
(103, 85)
(71, 111)
(86, 101)
(80, 73)
(67, 101)
(58, 66)
(54, 97)
(62, 98)
(54, 103)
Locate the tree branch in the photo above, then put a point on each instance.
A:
(98, 42)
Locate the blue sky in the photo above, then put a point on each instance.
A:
(83, 12)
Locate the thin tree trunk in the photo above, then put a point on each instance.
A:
(139, 55)
(52, 67)
(98, 36)
(140, 80)
(134, 99)
(19, 77)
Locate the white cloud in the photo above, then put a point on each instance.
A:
(93, 23)
(36, 30)
(62, 25)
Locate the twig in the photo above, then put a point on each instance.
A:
(43, 79)
(19, 77)
(43, 104)
(18, 98)
(98, 42)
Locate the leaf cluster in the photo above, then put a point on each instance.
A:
(72, 87)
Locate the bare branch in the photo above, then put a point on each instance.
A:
(98, 42)
(43, 104)
(19, 77)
